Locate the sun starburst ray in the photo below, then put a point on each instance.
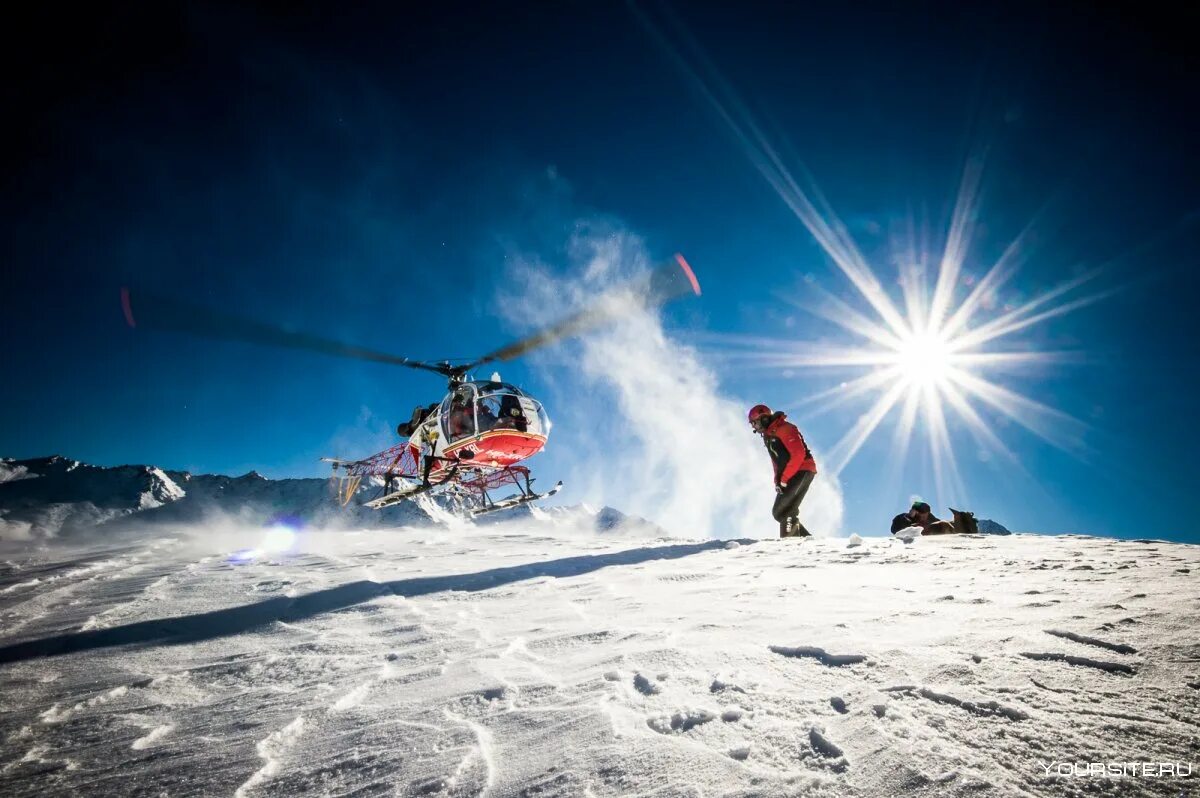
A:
(979, 429)
(945, 465)
(1053, 426)
(1020, 315)
(1009, 359)
(835, 310)
(902, 436)
(995, 278)
(832, 398)
(829, 357)
(981, 336)
(845, 449)
(830, 233)
(962, 223)
(912, 287)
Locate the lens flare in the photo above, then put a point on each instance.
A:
(279, 537)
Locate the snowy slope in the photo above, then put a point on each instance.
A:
(540, 658)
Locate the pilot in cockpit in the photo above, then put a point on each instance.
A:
(461, 420)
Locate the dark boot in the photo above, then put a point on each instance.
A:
(795, 529)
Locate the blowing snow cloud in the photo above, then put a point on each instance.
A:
(644, 419)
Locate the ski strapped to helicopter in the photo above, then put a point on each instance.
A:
(474, 440)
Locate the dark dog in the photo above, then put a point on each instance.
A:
(963, 524)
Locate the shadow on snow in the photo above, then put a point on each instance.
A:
(234, 620)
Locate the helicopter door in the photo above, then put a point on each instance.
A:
(458, 414)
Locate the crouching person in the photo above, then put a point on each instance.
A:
(920, 515)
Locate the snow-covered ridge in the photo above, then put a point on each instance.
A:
(10, 471)
(49, 497)
(59, 497)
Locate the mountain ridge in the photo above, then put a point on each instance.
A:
(58, 497)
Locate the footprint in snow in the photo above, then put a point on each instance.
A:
(981, 708)
(820, 655)
(681, 722)
(719, 686)
(644, 686)
(1120, 648)
(826, 749)
(1087, 662)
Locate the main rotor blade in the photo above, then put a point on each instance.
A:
(671, 280)
(163, 313)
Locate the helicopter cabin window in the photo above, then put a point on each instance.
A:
(459, 414)
(500, 408)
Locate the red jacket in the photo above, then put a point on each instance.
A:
(789, 453)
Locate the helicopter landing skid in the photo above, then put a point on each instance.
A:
(397, 496)
(409, 491)
(514, 501)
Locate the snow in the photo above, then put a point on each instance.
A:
(12, 471)
(539, 656)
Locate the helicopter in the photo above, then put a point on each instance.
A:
(473, 442)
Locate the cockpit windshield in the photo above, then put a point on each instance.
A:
(502, 411)
(477, 408)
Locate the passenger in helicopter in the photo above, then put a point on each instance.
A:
(461, 421)
(511, 416)
(486, 415)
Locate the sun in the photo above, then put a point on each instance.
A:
(925, 359)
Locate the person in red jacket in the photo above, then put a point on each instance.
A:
(795, 467)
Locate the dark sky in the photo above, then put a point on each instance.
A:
(361, 172)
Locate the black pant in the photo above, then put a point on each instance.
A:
(787, 503)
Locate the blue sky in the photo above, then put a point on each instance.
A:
(363, 174)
